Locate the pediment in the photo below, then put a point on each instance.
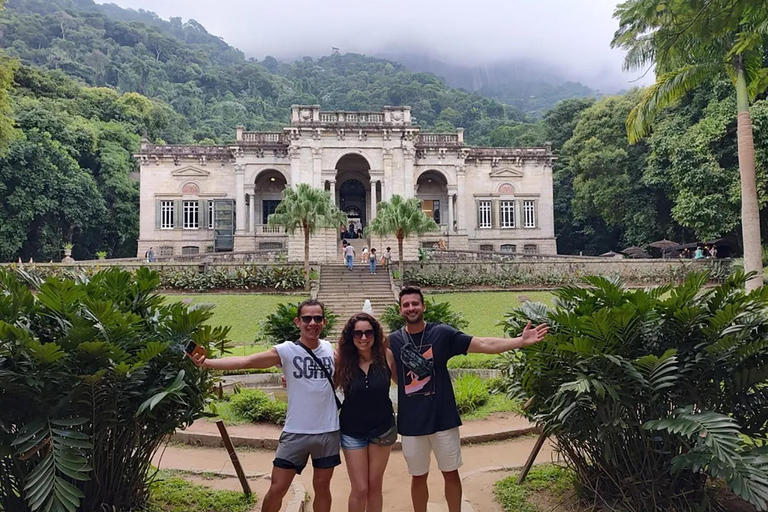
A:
(506, 174)
(190, 172)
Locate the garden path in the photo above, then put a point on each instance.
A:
(258, 463)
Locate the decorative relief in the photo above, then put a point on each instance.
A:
(305, 114)
(387, 134)
(317, 152)
(239, 168)
(441, 153)
(506, 189)
(397, 115)
(318, 134)
(190, 189)
(294, 152)
(463, 153)
(340, 134)
(201, 159)
(361, 135)
(386, 153)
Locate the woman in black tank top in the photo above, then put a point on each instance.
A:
(364, 367)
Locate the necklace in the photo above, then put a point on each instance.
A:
(421, 342)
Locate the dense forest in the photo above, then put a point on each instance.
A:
(83, 82)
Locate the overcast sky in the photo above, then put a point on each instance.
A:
(573, 35)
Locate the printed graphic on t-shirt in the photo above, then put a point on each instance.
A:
(305, 367)
(416, 386)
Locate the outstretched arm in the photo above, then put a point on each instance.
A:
(266, 359)
(530, 336)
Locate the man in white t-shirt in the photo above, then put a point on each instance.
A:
(312, 423)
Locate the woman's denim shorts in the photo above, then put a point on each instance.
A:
(388, 438)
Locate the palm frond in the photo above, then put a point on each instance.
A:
(668, 88)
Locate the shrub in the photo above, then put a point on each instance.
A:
(471, 392)
(93, 378)
(437, 312)
(254, 405)
(279, 325)
(170, 493)
(474, 361)
(646, 393)
(240, 278)
(513, 497)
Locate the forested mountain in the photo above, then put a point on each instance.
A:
(527, 85)
(213, 85)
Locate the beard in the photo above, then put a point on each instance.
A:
(417, 320)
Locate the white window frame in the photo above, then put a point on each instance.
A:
(529, 214)
(167, 214)
(484, 217)
(210, 215)
(191, 214)
(507, 214)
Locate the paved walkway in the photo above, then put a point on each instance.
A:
(257, 465)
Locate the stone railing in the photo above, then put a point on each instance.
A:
(438, 139)
(264, 138)
(269, 229)
(533, 152)
(352, 117)
(151, 150)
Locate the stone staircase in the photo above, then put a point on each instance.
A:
(343, 291)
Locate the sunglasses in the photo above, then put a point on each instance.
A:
(359, 334)
(317, 318)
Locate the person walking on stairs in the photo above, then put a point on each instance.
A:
(312, 422)
(349, 254)
(372, 261)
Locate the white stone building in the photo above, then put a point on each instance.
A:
(197, 199)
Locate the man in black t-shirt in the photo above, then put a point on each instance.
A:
(427, 417)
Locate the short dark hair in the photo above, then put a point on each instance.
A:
(410, 290)
(309, 302)
(389, 248)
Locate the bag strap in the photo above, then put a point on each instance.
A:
(325, 371)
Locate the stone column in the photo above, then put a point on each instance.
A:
(333, 192)
(252, 212)
(294, 152)
(386, 192)
(409, 157)
(317, 167)
(374, 199)
(240, 199)
(461, 204)
(450, 211)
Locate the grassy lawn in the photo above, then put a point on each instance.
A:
(171, 493)
(496, 403)
(242, 312)
(484, 309)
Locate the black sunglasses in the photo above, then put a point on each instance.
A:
(359, 334)
(317, 318)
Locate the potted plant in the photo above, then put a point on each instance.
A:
(102, 255)
(68, 252)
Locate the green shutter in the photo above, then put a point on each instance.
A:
(158, 213)
(202, 212)
(178, 215)
(495, 223)
(477, 214)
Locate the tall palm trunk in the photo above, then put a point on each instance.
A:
(750, 212)
(306, 256)
(400, 253)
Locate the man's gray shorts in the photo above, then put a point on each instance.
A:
(293, 450)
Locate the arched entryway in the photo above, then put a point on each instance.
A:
(432, 191)
(268, 192)
(353, 187)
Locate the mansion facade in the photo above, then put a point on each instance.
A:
(197, 199)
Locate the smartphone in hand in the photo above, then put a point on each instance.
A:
(193, 349)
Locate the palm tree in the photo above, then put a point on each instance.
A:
(308, 209)
(402, 218)
(690, 42)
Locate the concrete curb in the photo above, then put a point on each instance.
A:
(297, 503)
(214, 441)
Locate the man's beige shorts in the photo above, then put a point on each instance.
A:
(445, 444)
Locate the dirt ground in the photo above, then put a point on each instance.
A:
(258, 463)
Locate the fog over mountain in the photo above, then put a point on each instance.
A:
(553, 41)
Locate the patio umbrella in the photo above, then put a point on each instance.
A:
(664, 245)
(610, 254)
(635, 252)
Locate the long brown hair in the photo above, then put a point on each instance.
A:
(348, 358)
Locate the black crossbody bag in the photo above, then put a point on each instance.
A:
(325, 371)
(412, 358)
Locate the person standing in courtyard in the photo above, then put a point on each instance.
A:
(312, 422)
(427, 417)
(364, 367)
(349, 254)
